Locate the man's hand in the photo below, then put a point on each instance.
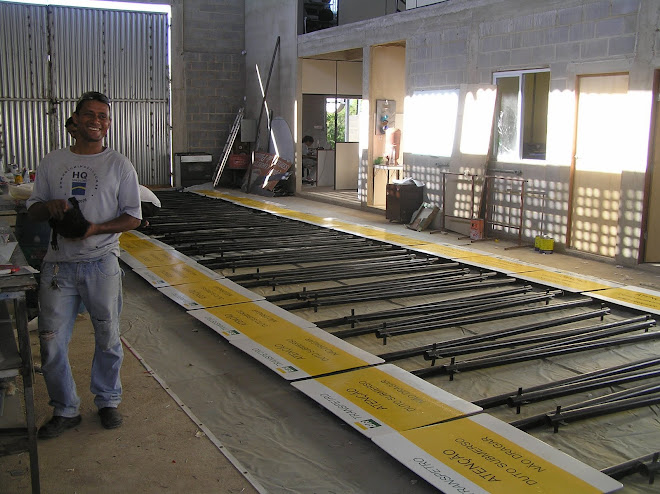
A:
(91, 230)
(57, 207)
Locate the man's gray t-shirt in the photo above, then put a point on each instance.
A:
(105, 185)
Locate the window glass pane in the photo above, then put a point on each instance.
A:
(430, 122)
(335, 119)
(507, 118)
(342, 120)
(536, 87)
(353, 121)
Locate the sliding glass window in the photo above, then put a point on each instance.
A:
(522, 115)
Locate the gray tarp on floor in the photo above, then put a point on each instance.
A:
(290, 444)
(287, 441)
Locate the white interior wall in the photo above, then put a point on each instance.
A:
(387, 83)
(466, 41)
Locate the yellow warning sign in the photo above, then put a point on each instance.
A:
(312, 218)
(635, 297)
(249, 319)
(179, 274)
(211, 193)
(567, 281)
(248, 202)
(499, 464)
(384, 236)
(155, 256)
(314, 352)
(393, 401)
(337, 224)
(499, 264)
(133, 244)
(213, 293)
(131, 235)
(444, 251)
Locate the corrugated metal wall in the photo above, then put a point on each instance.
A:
(50, 55)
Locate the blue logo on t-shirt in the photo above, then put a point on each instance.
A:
(78, 188)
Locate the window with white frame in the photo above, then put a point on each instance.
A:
(521, 115)
(430, 122)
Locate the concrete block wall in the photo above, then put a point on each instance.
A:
(579, 34)
(214, 93)
(460, 43)
(213, 71)
(571, 37)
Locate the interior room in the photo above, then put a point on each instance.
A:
(331, 114)
(398, 246)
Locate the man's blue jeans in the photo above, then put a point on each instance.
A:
(63, 286)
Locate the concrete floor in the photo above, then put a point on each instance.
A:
(337, 453)
(645, 275)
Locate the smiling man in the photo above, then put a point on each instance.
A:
(85, 269)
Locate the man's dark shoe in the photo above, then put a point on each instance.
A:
(110, 417)
(57, 425)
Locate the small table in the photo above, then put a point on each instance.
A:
(396, 168)
(17, 433)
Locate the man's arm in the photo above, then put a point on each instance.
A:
(43, 211)
(120, 224)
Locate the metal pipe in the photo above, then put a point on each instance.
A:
(399, 292)
(501, 399)
(337, 274)
(540, 419)
(597, 334)
(566, 342)
(468, 365)
(581, 386)
(417, 309)
(628, 467)
(349, 264)
(602, 409)
(282, 257)
(649, 469)
(412, 352)
(425, 278)
(467, 340)
(481, 346)
(417, 325)
(384, 333)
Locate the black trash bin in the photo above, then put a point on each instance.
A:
(33, 238)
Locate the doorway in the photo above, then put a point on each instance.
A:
(343, 130)
(333, 122)
(598, 164)
(652, 240)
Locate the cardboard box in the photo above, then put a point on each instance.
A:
(423, 217)
(544, 244)
(476, 229)
(238, 161)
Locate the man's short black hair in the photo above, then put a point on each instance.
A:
(307, 139)
(92, 96)
(69, 121)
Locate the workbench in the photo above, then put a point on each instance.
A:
(18, 430)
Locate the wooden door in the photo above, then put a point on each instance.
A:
(652, 243)
(599, 159)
